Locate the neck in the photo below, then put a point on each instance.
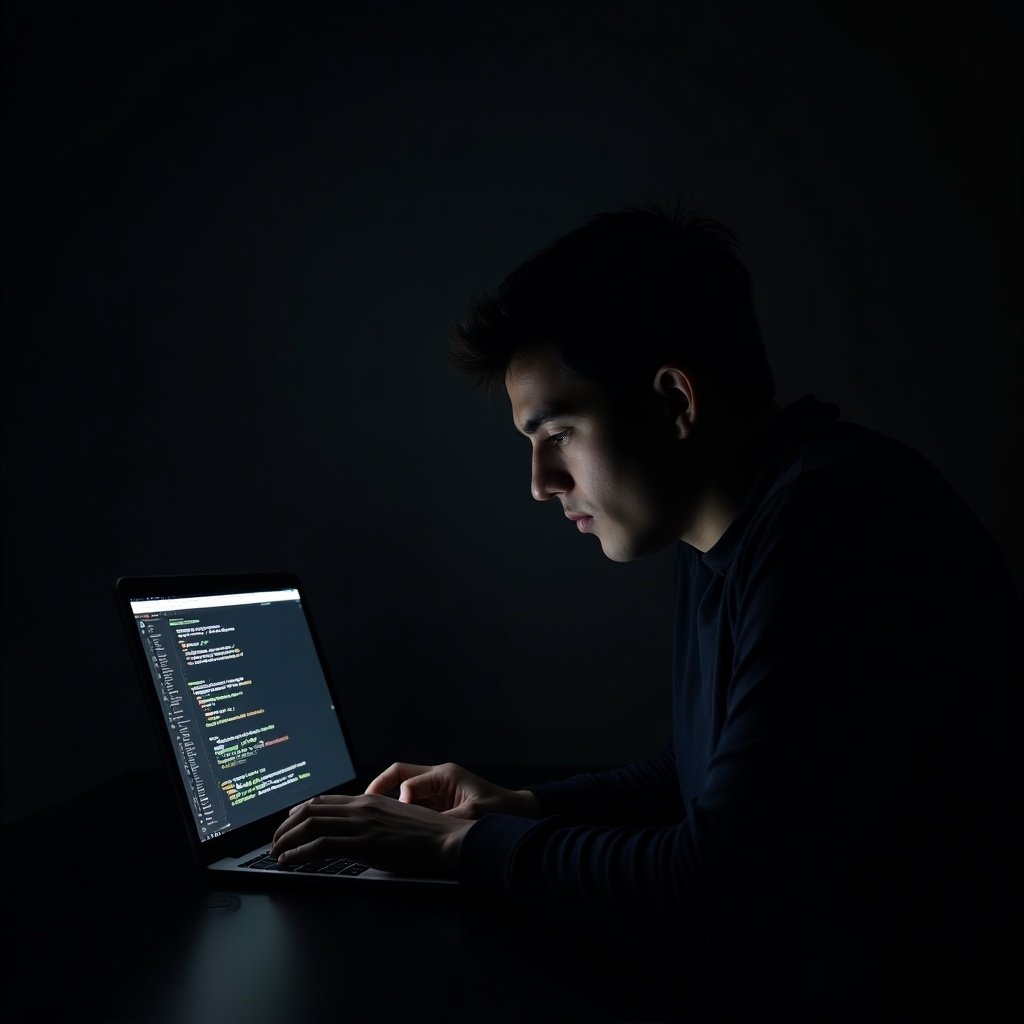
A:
(730, 462)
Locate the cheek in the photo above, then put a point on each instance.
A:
(653, 491)
(626, 489)
(624, 474)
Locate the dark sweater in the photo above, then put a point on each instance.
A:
(841, 793)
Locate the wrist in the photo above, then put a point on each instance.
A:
(528, 804)
(451, 846)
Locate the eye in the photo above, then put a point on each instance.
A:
(557, 440)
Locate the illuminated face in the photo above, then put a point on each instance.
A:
(614, 468)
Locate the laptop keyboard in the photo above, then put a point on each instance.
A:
(321, 866)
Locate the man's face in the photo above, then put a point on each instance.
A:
(614, 467)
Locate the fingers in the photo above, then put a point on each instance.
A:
(430, 787)
(315, 799)
(395, 776)
(312, 825)
(316, 805)
(310, 838)
(417, 784)
(289, 822)
(371, 829)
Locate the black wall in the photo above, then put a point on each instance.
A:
(234, 237)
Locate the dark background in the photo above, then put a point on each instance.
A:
(234, 237)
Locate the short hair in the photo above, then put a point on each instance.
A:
(625, 293)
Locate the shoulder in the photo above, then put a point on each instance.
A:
(848, 504)
(845, 473)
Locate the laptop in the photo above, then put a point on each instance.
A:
(245, 713)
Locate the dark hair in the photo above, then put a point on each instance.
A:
(618, 297)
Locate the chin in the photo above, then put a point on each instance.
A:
(618, 556)
(630, 549)
(619, 553)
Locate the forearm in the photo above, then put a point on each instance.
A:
(644, 792)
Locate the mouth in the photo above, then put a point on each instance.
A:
(583, 523)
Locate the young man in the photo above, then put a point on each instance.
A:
(840, 802)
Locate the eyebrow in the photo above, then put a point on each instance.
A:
(545, 415)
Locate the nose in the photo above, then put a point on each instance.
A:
(547, 479)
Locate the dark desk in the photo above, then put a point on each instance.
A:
(92, 939)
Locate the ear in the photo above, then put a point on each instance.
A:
(676, 388)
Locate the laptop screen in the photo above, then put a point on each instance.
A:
(246, 703)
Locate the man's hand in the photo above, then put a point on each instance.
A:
(453, 791)
(373, 830)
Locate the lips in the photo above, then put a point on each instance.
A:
(583, 523)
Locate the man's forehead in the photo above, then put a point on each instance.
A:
(534, 363)
(540, 389)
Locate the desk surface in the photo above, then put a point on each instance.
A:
(93, 940)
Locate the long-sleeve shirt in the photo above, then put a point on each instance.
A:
(843, 774)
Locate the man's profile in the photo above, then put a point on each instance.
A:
(840, 799)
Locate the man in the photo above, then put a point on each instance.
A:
(840, 801)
